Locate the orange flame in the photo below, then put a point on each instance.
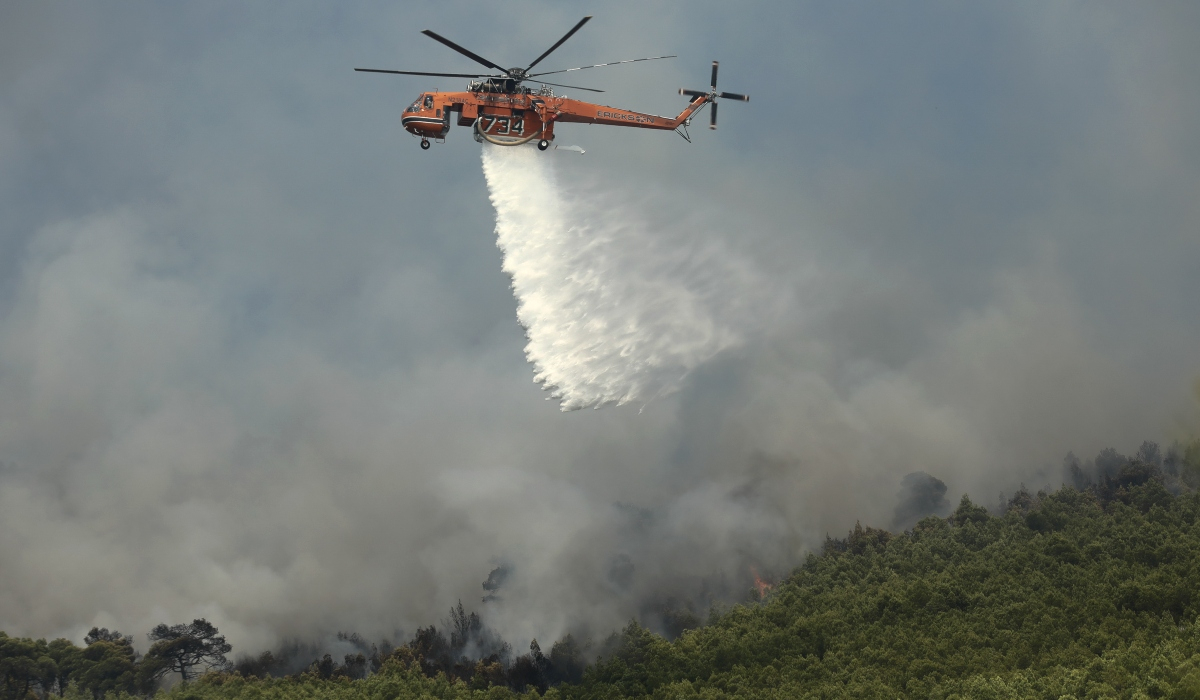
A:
(763, 587)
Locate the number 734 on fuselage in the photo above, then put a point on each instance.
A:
(500, 109)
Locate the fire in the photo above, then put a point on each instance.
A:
(763, 587)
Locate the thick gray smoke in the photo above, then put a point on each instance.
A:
(920, 495)
(258, 358)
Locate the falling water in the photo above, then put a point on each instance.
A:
(613, 315)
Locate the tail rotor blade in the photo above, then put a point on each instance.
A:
(714, 76)
(712, 124)
(734, 96)
(691, 93)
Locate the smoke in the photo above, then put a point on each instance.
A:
(257, 363)
(920, 495)
(156, 471)
(614, 312)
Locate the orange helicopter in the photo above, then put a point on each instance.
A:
(504, 112)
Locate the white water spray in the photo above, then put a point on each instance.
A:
(612, 313)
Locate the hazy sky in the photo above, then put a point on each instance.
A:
(259, 361)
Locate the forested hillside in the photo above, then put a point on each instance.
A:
(1076, 594)
(1084, 593)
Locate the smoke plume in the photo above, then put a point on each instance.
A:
(258, 364)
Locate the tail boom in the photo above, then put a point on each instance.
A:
(580, 112)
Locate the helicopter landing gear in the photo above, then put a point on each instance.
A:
(543, 145)
(424, 144)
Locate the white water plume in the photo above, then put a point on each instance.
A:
(614, 312)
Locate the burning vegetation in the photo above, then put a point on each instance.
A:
(1085, 591)
(762, 586)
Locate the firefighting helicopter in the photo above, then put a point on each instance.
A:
(503, 111)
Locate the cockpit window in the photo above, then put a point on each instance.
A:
(429, 102)
(414, 107)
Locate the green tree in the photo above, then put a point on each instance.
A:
(107, 666)
(25, 665)
(183, 648)
(66, 657)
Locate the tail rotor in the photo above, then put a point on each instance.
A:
(712, 95)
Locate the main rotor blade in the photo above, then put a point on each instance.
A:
(712, 124)
(598, 65)
(468, 54)
(713, 84)
(573, 87)
(413, 72)
(734, 96)
(559, 42)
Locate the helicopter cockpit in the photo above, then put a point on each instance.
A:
(422, 102)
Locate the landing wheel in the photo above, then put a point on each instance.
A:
(424, 144)
(543, 145)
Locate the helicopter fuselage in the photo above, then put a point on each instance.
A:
(511, 116)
